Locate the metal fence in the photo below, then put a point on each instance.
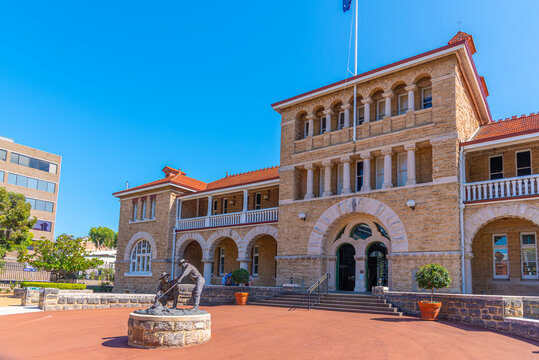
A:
(14, 271)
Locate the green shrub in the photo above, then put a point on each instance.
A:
(240, 276)
(66, 286)
(433, 276)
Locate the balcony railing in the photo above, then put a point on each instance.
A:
(238, 218)
(507, 188)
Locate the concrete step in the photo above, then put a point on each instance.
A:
(330, 302)
(335, 299)
(357, 309)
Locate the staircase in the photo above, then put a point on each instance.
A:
(359, 303)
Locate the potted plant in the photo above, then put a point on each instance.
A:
(241, 277)
(432, 276)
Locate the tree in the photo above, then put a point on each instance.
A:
(432, 276)
(103, 236)
(15, 222)
(63, 257)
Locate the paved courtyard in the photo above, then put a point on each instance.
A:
(256, 332)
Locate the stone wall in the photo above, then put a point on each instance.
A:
(214, 295)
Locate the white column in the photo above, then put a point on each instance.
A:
(327, 114)
(367, 109)
(360, 277)
(388, 171)
(244, 264)
(207, 221)
(468, 272)
(327, 178)
(387, 95)
(310, 118)
(410, 164)
(310, 181)
(411, 96)
(332, 267)
(245, 200)
(179, 209)
(207, 270)
(346, 175)
(366, 157)
(346, 108)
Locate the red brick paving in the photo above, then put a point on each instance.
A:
(255, 332)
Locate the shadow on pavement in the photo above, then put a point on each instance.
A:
(116, 342)
(396, 319)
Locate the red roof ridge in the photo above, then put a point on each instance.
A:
(253, 171)
(514, 117)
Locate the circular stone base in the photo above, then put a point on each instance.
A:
(157, 331)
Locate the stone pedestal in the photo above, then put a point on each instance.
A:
(157, 331)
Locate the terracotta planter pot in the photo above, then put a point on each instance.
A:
(241, 298)
(429, 311)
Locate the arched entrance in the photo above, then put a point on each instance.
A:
(377, 265)
(193, 254)
(346, 268)
(225, 259)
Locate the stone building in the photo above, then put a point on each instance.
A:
(410, 171)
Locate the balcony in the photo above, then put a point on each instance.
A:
(499, 189)
(232, 219)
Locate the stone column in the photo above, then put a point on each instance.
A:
(327, 114)
(331, 270)
(361, 279)
(310, 119)
(411, 96)
(327, 178)
(346, 175)
(346, 108)
(310, 180)
(410, 164)
(388, 169)
(468, 272)
(366, 157)
(387, 95)
(207, 270)
(389, 272)
(367, 110)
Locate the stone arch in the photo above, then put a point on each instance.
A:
(482, 217)
(397, 83)
(389, 219)
(252, 235)
(214, 239)
(423, 75)
(185, 240)
(141, 235)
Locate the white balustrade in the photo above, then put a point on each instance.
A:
(502, 188)
(246, 217)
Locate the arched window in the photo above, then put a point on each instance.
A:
(361, 231)
(141, 257)
(382, 231)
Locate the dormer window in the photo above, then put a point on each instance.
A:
(323, 125)
(426, 98)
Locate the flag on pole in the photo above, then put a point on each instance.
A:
(346, 5)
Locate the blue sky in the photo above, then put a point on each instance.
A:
(121, 89)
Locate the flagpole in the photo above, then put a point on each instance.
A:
(355, 73)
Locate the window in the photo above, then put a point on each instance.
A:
(40, 205)
(3, 155)
(255, 260)
(306, 129)
(214, 206)
(152, 209)
(141, 257)
(360, 115)
(321, 187)
(340, 170)
(501, 263)
(403, 103)
(524, 163)
(135, 210)
(379, 172)
(361, 231)
(323, 125)
(402, 169)
(426, 98)
(143, 212)
(528, 248)
(359, 175)
(258, 199)
(341, 120)
(31, 183)
(33, 163)
(496, 167)
(382, 231)
(1, 176)
(225, 206)
(380, 109)
(42, 225)
(221, 261)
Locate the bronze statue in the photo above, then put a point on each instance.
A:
(192, 272)
(166, 291)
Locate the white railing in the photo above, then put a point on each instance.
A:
(246, 217)
(502, 188)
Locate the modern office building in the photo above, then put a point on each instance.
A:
(35, 174)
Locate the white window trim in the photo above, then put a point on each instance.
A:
(221, 268)
(143, 214)
(340, 125)
(402, 110)
(147, 255)
(522, 246)
(380, 114)
(494, 259)
(340, 177)
(423, 97)
(489, 170)
(324, 129)
(256, 254)
(135, 211)
(360, 119)
(516, 162)
(152, 208)
(378, 159)
(399, 170)
(306, 128)
(258, 201)
(358, 188)
(225, 206)
(214, 207)
(321, 181)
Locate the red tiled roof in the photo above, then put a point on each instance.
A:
(245, 178)
(514, 126)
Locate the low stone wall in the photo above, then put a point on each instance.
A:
(488, 311)
(220, 295)
(30, 296)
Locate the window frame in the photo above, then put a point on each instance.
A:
(224, 206)
(516, 162)
(400, 171)
(340, 178)
(221, 267)
(423, 98)
(152, 208)
(305, 129)
(380, 114)
(214, 207)
(358, 186)
(135, 211)
(321, 181)
(258, 201)
(340, 124)
(528, 246)
(146, 258)
(490, 167)
(494, 247)
(256, 260)
(359, 119)
(402, 110)
(378, 160)
(2, 151)
(323, 125)
(143, 208)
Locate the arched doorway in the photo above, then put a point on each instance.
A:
(263, 266)
(193, 254)
(225, 259)
(377, 265)
(346, 268)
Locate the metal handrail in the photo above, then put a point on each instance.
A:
(316, 286)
